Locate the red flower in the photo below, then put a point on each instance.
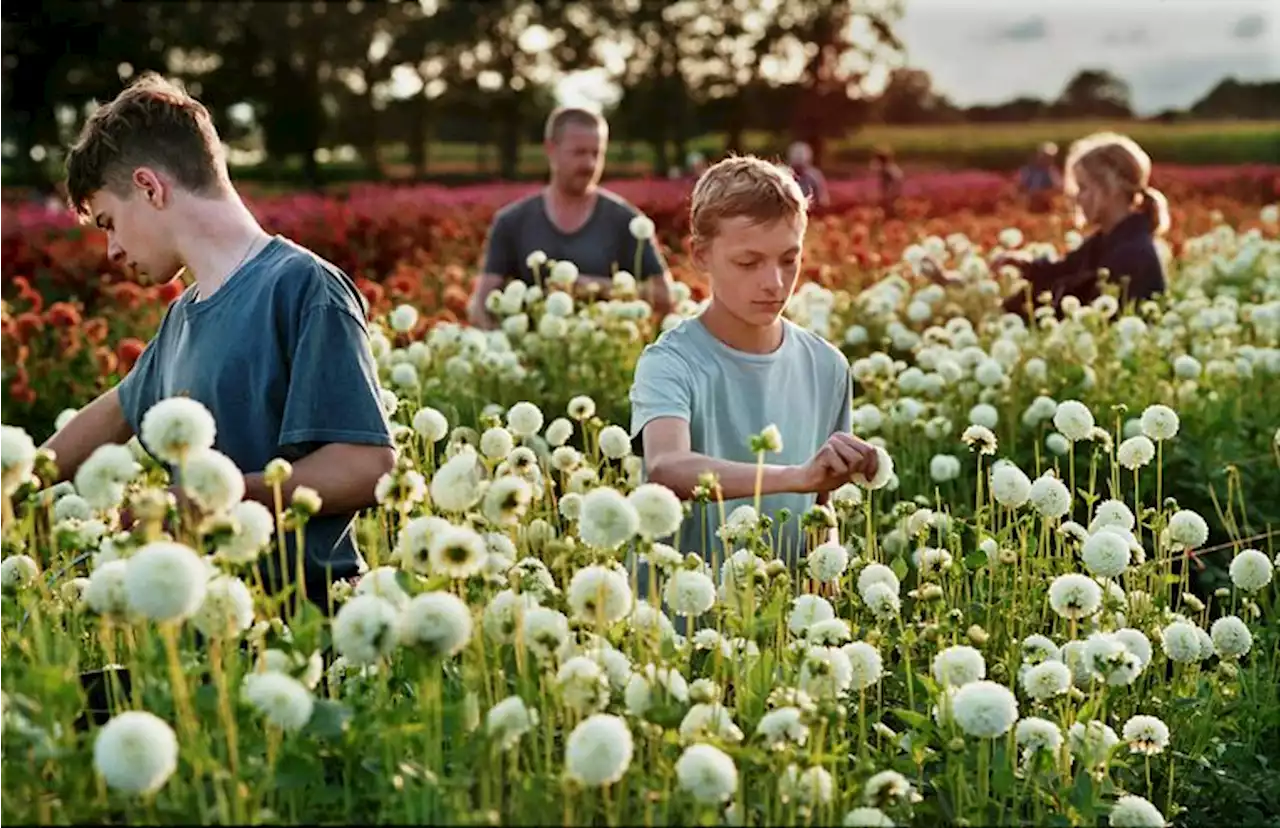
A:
(170, 290)
(128, 350)
(28, 325)
(63, 315)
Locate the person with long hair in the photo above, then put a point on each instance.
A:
(1108, 177)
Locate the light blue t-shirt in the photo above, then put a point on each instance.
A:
(726, 396)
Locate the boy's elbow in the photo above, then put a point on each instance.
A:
(663, 472)
(378, 461)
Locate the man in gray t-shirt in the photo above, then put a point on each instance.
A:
(572, 219)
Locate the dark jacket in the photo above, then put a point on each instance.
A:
(1128, 253)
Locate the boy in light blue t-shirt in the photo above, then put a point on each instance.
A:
(705, 387)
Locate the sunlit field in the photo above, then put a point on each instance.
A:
(1054, 604)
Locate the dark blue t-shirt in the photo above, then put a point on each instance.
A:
(280, 356)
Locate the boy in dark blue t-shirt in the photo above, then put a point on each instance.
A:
(269, 337)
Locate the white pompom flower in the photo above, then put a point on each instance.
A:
(508, 720)
(1159, 422)
(1250, 570)
(365, 629)
(607, 519)
(985, 709)
(283, 700)
(213, 481)
(17, 457)
(1147, 735)
(598, 751)
(438, 623)
(659, 509)
(227, 609)
(707, 774)
(884, 471)
(1231, 637)
(524, 419)
(166, 581)
(598, 593)
(102, 478)
(1105, 554)
(176, 428)
(1074, 596)
(1130, 811)
(135, 752)
(1010, 486)
(959, 665)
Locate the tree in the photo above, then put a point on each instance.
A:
(846, 43)
(1096, 93)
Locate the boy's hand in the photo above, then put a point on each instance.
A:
(841, 457)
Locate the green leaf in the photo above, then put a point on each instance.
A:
(975, 560)
(918, 721)
(899, 567)
(329, 719)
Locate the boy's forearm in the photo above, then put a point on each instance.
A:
(98, 423)
(343, 475)
(680, 473)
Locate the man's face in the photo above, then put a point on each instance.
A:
(136, 234)
(754, 267)
(577, 158)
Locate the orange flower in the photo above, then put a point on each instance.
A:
(170, 290)
(63, 315)
(127, 351)
(95, 330)
(28, 324)
(107, 361)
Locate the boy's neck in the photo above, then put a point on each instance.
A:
(737, 334)
(219, 238)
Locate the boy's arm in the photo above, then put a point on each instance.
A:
(671, 462)
(333, 402)
(98, 423)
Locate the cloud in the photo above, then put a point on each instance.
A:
(1249, 27)
(1127, 37)
(1024, 31)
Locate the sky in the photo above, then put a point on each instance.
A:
(1171, 52)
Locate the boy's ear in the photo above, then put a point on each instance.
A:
(698, 250)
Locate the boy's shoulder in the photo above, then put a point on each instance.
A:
(302, 278)
(822, 351)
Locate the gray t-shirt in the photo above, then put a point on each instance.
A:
(804, 388)
(280, 356)
(605, 240)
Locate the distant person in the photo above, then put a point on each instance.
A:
(269, 337)
(811, 180)
(572, 219)
(888, 177)
(1039, 179)
(1108, 178)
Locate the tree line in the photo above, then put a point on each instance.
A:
(301, 76)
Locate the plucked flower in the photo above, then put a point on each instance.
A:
(884, 471)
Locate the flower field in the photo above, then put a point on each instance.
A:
(1056, 605)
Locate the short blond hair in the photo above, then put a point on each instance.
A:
(744, 186)
(565, 115)
(1120, 164)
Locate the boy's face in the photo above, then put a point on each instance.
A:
(577, 157)
(753, 267)
(137, 235)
